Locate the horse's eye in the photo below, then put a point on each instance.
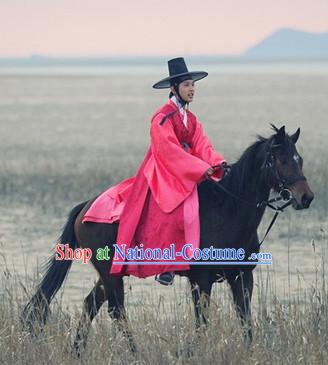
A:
(297, 158)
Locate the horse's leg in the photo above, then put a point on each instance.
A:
(91, 306)
(98, 236)
(242, 289)
(201, 288)
(116, 309)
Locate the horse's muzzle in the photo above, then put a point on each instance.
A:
(307, 199)
(304, 202)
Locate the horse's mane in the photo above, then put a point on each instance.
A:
(240, 173)
(234, 183)
(237, 177)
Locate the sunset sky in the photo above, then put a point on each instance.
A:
(149, 27)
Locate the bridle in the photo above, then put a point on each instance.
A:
(269, 168)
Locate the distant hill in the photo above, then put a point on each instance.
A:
(291, 43)
(285, 44)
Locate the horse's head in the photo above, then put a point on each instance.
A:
(283, 168)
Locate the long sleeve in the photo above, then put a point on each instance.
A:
(203, 149)
(172, 173)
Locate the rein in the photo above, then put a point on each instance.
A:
(284, 193)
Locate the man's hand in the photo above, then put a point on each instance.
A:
(225, 167)
(209, 172)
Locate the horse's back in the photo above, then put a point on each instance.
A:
(92, 234)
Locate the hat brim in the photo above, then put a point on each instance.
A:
(194, 75)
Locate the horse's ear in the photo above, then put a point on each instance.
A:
(282, 131)
(280, 136)
(294, 137)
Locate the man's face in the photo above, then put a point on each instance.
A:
(187, 90)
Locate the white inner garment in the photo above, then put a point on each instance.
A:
(182, 110)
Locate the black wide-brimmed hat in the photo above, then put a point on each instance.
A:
(178, 71)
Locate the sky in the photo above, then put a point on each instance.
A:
(149, 27)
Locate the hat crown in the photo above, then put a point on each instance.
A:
(177, 66)
(178, 72)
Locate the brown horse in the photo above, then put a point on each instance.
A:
(230, 212)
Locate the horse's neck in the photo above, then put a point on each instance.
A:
(253, 192)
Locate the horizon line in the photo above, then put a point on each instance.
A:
(243, 53)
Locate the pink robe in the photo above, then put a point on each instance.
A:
(159, 205)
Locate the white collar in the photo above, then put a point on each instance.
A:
(181, 108)
(178, 104)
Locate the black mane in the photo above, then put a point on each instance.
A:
(237, 177)
(241, 173)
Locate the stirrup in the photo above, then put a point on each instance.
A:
(166, 278)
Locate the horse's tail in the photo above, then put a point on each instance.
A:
(36, 311)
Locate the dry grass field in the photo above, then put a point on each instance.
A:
(66, 138)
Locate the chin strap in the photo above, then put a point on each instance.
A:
(178, 96)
